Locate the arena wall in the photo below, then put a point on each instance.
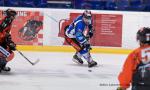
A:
(120, 37)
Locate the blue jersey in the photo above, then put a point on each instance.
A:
(76, 29)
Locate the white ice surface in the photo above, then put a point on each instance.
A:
(57, 71)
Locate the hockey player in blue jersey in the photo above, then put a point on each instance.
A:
(75, 36)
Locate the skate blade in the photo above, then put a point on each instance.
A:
(74, 60)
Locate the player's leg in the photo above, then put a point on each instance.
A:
(77, 57)
(81, 52)
(89, 59)
(3, 63)
(87, 56)
(5, 56)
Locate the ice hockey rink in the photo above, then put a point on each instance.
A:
(57, 71)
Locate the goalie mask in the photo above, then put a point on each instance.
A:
(143, 35)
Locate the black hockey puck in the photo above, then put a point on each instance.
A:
(90, 70)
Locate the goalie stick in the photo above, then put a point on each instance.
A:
(32, 63)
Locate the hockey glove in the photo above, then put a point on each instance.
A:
(8, 39)
(90, 33)
(87, 45)
(12, 46)
(90, 26)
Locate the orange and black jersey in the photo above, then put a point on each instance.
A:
(5, 26)
(141, 54)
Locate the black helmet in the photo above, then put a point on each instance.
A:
(10, 12)
(87, 14)
(143, 35)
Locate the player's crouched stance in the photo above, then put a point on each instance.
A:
(75, 37)
(7, 46)
(136, 69)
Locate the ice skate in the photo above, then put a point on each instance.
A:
(0, 70)
(92, 64)
(77, 60)
(7, 69)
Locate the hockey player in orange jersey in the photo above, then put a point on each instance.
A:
(7, 46)
(136, 69)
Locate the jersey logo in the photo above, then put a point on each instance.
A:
(145, 54)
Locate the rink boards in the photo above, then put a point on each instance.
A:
(70, 49)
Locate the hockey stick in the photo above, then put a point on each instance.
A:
(33, 63)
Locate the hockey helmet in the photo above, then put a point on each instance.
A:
(87, 14)
(143, 35)
(10, 12)
(87, 17)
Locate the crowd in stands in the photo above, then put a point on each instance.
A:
(126, 5)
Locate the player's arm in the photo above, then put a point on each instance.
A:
(79, 33)
(5, 23)
(9, 42)
(125, 77)
(10, 15)
(91, 30)
(80, 37)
